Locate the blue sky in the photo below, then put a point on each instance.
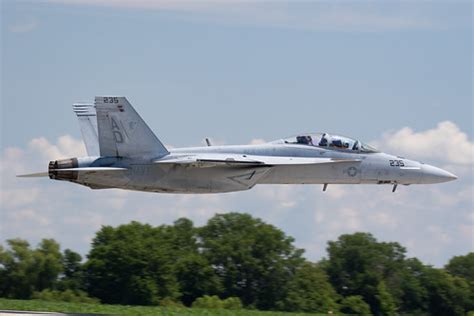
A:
(385, 72)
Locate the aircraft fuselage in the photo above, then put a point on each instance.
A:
(361, 168)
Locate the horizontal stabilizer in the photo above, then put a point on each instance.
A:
(212, 160)
(33, 175)
(80, 170)
(91, 169)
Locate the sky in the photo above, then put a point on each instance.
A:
(395, 74)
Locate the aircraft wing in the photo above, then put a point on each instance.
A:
(214, 160)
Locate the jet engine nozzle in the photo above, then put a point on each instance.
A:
(55, 172)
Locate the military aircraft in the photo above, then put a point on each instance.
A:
(124, 153)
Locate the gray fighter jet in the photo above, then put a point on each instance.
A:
(124, 153)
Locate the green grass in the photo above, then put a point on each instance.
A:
(65, 307)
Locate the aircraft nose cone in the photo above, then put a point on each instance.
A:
(433, 174)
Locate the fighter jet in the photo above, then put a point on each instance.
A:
(124, 153)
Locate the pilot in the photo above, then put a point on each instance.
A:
(356, 145)
(302, 140)
(337, 143)
(323, 141)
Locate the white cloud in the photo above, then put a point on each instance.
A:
(435, 222)
(29, 214)
(336, 192)
(445, 143)
(467, 232)
(283, 196)
(66, 147)
(17, 198)
(351, 222)
(11, 159)
(385, 219)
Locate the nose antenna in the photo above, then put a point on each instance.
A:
(394, 187)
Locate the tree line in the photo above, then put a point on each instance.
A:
(241, 260)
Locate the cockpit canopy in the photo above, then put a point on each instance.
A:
(330, 141)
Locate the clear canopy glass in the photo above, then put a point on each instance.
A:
(330, 141)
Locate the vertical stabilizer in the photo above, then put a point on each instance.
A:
(122, 132)
(88, 123)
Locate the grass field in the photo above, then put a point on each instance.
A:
(64, 307)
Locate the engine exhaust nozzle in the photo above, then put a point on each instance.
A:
(55, 172)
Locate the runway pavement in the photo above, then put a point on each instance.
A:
(33, 313)
(26, 313)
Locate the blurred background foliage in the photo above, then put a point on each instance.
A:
(236, 261)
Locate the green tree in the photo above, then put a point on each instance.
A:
(132, 264)
(254, 261)
(310, 291)
(195, 277)
(73, 274)
(48, 264)
(140, 264)
(385, 301)
(24, 270)
(355, 305)
(4, 260)
(414, 298)
(358, 263)
(448, 295)
(194, 274)
(19, 275)
(462, 266)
